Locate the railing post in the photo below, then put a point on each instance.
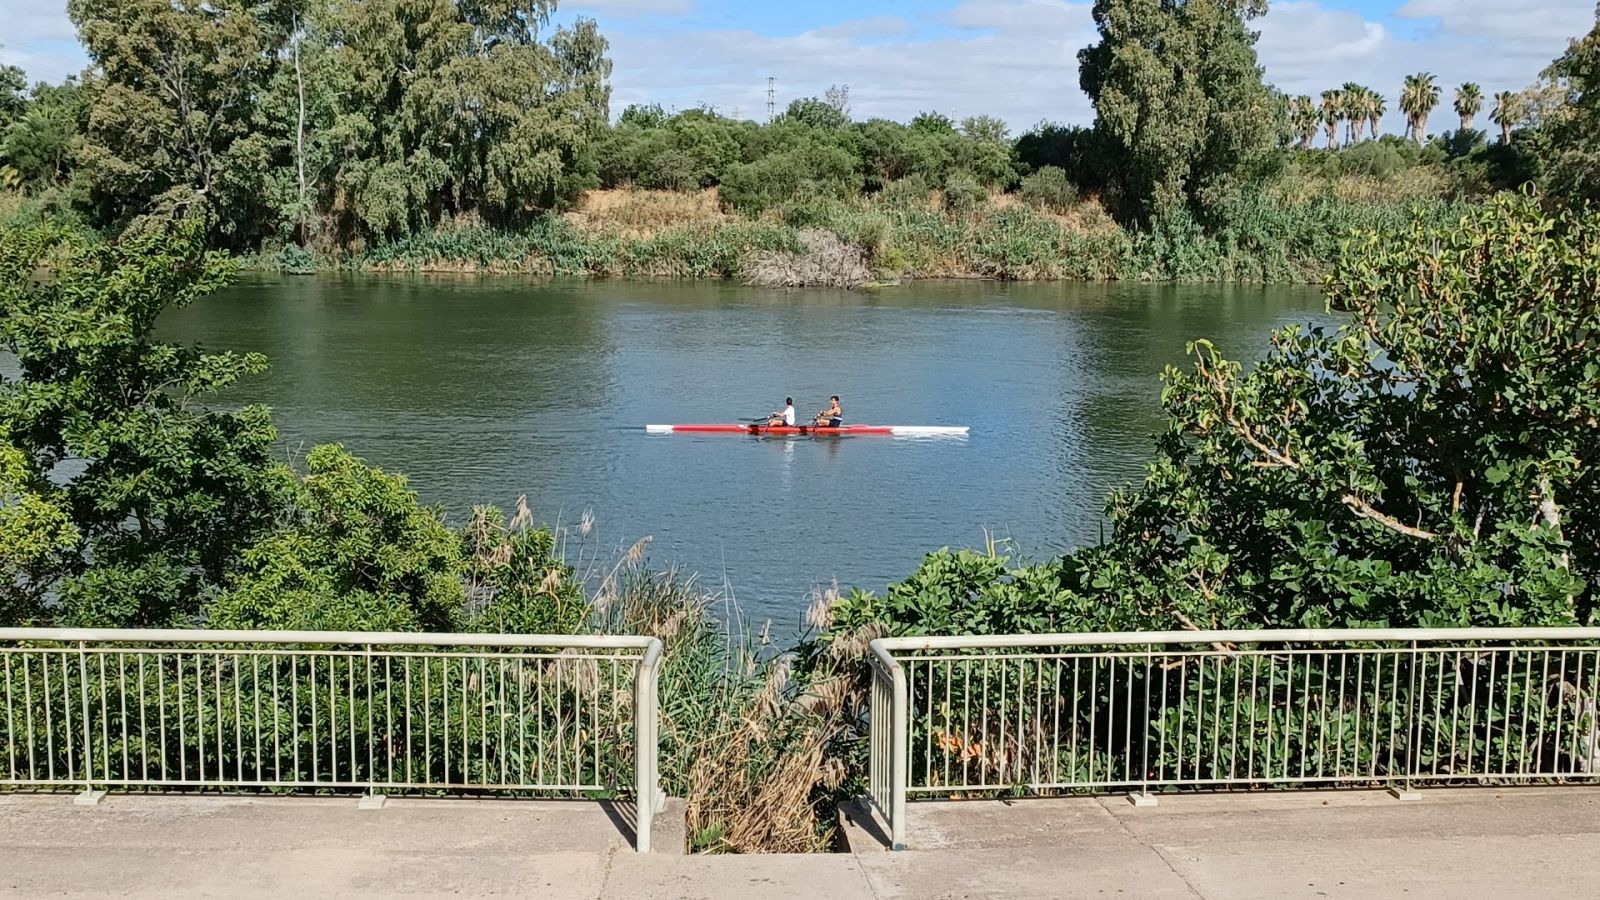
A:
(89, 797)
(899, 759)
(645, 756)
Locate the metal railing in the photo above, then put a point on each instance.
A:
(521, 714)
(1015, 714)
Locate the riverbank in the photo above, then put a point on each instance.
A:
(1282, 236)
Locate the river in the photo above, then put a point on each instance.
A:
(483, 389)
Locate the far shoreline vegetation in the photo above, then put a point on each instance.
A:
(1426, 463)
(317, 135)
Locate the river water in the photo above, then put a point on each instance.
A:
(481, 390)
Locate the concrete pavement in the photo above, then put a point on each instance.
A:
(1531, 842)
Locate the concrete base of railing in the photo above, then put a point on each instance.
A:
(88, 798)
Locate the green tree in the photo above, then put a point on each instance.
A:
(1573, 134)
(452, 108)
(1425, 464)
(36, 531)
(1177, 88)
(357, 552)
(1332, 112)
(172, 100)
(1468, 101)
(1417, 99)
(162, 493)
(1507, 113)
(1376, 107)
(1304, 120)
(38, 144)
(816, 113)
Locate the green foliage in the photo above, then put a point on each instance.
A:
(1572, 145)
(172, 101)
(964, 194)
(161, 492)
(1393, 472)
(1048, 188)
(35, 530)
(357, 552)
(1179, 97)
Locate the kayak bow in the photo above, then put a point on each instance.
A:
(896, 430)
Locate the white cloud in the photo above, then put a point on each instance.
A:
(1011, 16)
(1539, 23)
(39, 37)
(872, 26)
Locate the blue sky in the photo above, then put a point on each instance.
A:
(1011, 58)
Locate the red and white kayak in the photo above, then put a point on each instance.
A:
(895, 430)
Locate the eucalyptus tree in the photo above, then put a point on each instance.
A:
(1179, 97)
(1468, 101)
(172, 99)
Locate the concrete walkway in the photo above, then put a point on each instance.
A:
(1531, 842)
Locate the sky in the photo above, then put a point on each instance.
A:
(1016, 59)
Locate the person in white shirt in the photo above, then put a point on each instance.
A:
(783, 418)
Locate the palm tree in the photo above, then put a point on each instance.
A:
(1469, 99)
(1355, 110)
(1506, 113)
(1304, 119)
(1417, 100)
(1332, 112)
(1376, 107)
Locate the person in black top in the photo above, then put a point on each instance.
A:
(830, 417)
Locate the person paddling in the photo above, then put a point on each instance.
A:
(831, 417)
(783, 418)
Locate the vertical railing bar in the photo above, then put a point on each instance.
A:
(370, 736)
(1094, 713)
(427, 723)
(83, 699)
(483, 721)
(466, 724)
(927, 731)
(1577, 715)
(27, 700)
(1055, 722)
(352, 773)
(1216, 716)
(1322, 722)
(1161, 719)
(255, 698)
(388, 720)
(1144, 727)
(1394, 711)
(1472, 719)
(104, 721)
(1361, 689)
(522, 721)
(983, 741)
(540, 744)
(311, 698)
(1305, 709)
(11, 725)
(1522, 731)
